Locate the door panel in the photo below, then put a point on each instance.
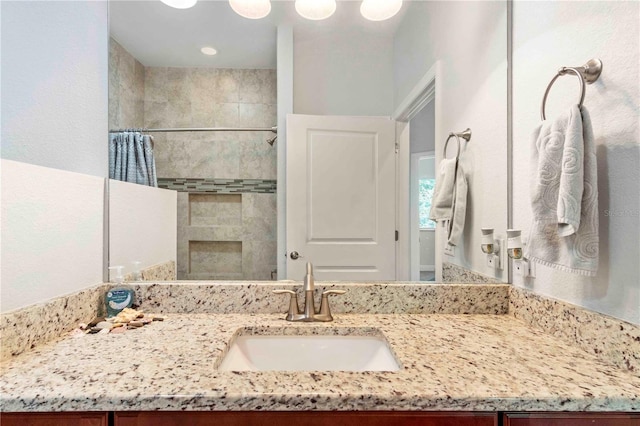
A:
(571, 419)
(53, 419)
(341, 197)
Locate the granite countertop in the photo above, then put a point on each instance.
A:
(449, 362)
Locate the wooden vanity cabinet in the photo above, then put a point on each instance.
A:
(571, 419)
(306, 418)
(54, 419)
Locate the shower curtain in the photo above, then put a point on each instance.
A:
(131, 158)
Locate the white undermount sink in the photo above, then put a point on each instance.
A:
(308, 353)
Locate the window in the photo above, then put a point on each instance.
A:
(425, 194)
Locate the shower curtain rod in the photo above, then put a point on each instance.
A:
(201, 129)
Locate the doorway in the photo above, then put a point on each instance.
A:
(421, 186)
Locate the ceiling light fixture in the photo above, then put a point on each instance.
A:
(315, 9)
(252, 9)
(208, 51)
(379, 10)
(180, 4)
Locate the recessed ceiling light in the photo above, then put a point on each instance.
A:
(252, 9)
(209, 51)
(180, 4)
(315, 10)
(379, 10)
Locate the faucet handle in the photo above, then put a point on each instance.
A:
(293, 303)
(325, 311)
(330, 292)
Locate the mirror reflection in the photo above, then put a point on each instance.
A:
(282, 140)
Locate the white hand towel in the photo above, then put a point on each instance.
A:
(456, 225)
(443, 194)
(449, 202)
(564, 194)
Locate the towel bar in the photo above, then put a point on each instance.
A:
(588, 73)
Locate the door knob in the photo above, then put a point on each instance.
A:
(295, 255)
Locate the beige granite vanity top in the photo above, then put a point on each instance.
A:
(449, 362)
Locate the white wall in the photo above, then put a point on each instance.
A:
(423, 129)
(469, 39)
(427, 250)
(343, 73)
(54, 114)
(142, 225)
(51, 233)
(546, 36)
(285, 106)
(54, 84)
(427, 169)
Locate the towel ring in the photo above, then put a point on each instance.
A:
(444, 151)
(466, 135)
(588, 73)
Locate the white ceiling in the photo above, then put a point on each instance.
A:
(158, 35)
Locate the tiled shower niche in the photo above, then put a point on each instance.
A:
(226, 236)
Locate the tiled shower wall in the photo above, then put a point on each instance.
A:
(220, 235)
(227, 200)
(126, 89)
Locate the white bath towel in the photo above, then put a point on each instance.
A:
(564, 194)
(449, 202)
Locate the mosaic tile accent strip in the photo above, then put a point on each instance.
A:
(610, 339)
(219, 186)
(26, 328)
(457, 274)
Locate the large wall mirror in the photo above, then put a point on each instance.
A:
(434, 68)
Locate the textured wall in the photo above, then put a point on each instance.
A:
(548, 35)
(220, 236)
(51, 233)
(126, 88)
(469, 39)
(54, 84)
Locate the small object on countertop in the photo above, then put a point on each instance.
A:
(127, 315)
(136, 324)
(118, 299)
(145, 320)
(136, 274)
(103, 324)
(83, 326)
(104, 331)
(157, 318)
(118, 330)
(95, 321)
(93, 330)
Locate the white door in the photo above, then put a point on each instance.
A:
(341, 197)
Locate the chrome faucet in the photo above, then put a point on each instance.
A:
(309, 314)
